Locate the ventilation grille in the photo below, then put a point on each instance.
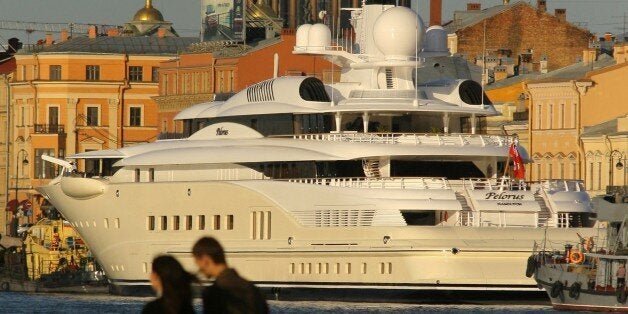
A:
(390, 82)
(261, 92)
(378, 93)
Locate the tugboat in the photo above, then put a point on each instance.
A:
(585, 276)
(52, 258)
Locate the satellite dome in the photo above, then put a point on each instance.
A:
(302, 36)
(319, 37)
(398, 32)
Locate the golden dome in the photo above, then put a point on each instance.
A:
(148, 13)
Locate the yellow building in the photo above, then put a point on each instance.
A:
(562, 109)
(605, 148)
(82, 94)
(7, 68)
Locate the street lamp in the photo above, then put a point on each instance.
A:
(619, 165)
(17, 173)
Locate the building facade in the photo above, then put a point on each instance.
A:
(7, 70)
(82, 94)
(516, 38)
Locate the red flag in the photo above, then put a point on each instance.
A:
(518, 167)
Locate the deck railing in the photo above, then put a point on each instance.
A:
(410, 138)
(382, 183)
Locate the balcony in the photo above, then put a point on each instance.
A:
(48, 129)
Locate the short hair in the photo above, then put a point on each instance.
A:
(208, 246)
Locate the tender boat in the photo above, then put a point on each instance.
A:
(584, 276)
(378, 181)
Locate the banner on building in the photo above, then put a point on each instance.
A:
(223, 20)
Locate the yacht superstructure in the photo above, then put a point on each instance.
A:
(380, 180)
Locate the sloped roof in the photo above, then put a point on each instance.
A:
(464, 19)
(574, 71)
(119, 44)
(605, 128)
(7, 65)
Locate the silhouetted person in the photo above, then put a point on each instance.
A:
(13, 46)
(230, 293)
(172, 285)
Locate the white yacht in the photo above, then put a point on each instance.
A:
(370, 182)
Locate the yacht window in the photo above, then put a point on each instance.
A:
(151, 175)
(151, 222)
(175, 222)
(188, 222)
(419, 218)
(164, 222)
(136, 177)
(229, 222)
(216, 223)
(201, 222)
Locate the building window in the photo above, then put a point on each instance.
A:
(155, 74)
(92, 72)
(92, 116)
(136, 175)
(53, 117)
(550, 118)
(135, 73)
(55, 72)
(135, 116)
(539, 114)
(164, 85)
(561, 120)
(44, 170)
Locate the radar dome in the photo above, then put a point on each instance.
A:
(319, 37)
(302, 36)
(398, 32)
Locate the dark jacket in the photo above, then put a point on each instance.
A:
(157, 307)
(233, 294)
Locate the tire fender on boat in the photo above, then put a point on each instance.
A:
(531, 267)
(574, 290)
(557, 289)
(5, 286)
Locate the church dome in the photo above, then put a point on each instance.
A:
(148, 13)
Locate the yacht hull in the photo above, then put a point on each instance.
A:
(269, 246)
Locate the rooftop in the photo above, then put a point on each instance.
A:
(610, 127)
(117, 44)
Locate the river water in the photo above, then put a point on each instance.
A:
(14, 302)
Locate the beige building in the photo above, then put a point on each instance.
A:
(6, 74)
(605, 148)
(567, 109)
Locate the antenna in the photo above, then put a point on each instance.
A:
(484, 76)
(416, 62)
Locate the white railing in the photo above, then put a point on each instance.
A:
(379, 183)
(553, 186)
(460, 140)
(466, 218)
(502, 184)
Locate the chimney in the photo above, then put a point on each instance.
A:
(589, 56)
(64, 35)
(561, 14)
(92, 31)
(541, 5)
(436, 12)
(608, 37)
(161, 32)
(474, 6)
(113, 32)
(49, 39)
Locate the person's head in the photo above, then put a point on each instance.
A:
(209, 256)
(171, 282)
